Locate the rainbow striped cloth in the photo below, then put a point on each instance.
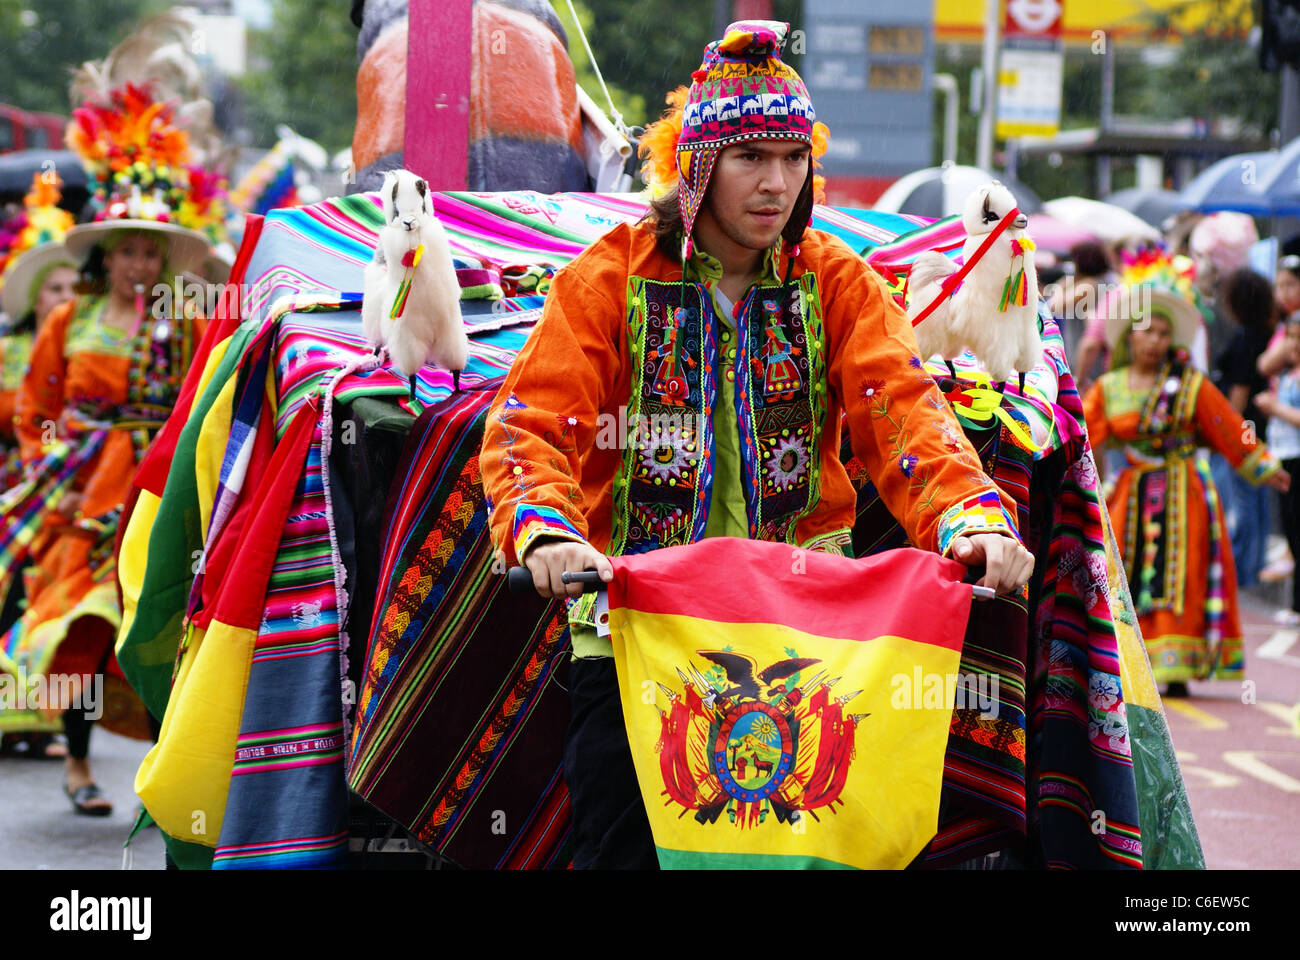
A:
(294, 335)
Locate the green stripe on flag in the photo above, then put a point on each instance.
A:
(1169, 839)
(694, 860)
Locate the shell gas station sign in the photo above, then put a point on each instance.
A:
(1031, 69)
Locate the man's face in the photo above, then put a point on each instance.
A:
(752, 191)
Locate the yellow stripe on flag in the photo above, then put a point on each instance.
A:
(838, 764)
(185, 779)
(788, 708)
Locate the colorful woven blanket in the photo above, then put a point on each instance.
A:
(266, 729)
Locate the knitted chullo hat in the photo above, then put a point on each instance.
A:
(742, 91)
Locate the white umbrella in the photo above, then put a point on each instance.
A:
(1106, 220)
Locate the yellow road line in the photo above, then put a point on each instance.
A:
(1204, 719)
(1247, 761)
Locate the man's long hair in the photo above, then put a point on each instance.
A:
(665, 218)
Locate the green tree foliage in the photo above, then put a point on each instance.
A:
(631, 106)
(303, 72)
(651, 46)
(44, 40)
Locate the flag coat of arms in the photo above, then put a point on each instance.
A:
(771, 701)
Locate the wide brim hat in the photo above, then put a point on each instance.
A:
(1134, 308)
(16, 294)
(186, 249)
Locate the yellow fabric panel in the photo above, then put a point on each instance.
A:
(185, 779)
(890, 796)
(211, 449)
(1135, 678)
(134, 558)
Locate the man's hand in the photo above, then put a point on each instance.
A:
(1007, 565)
(550, 558)
(1280, 481)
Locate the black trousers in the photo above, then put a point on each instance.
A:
(610, 827)
(1291, 524)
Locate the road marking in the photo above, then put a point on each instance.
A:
(1247, 761)
(1216, 778)
(1204, 719)
(1276, 647)
(1290, 715)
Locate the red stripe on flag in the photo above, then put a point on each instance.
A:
(905, 593)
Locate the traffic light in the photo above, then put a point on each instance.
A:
(1279, 40)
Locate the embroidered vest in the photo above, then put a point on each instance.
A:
(663, 491)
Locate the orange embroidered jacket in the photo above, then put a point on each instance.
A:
(603, 429)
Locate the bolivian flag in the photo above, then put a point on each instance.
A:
(770, 704)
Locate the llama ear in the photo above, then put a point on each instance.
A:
(396, 184)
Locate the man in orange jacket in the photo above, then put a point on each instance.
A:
(687, 380)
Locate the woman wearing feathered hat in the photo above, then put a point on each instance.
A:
(1164, 506)
(36, 275)
(105, 371)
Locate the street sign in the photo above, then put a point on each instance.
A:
(1031, 71)
(868, 69)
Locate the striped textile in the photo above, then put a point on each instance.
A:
(458, 678)
(23, 507)
(441, 741)
(291, 747)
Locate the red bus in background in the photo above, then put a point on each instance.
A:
(25, 130)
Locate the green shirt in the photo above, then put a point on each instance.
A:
(728, 516)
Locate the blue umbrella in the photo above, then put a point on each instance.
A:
(1279, 186)
(1153, 206)
(1231, 184)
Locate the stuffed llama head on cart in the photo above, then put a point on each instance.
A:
(411, 304)
(993, 313)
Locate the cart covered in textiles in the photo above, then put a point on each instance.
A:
(311, 602)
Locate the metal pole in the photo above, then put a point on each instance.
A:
(1289, 121)
(946, 84)
(1107, 117)
(992, 31)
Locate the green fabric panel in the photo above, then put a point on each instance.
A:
(148, 653)
(693, 860)
(1169, 838)
(188, 856)
(379, 413)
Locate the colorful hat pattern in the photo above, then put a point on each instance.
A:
(31, 241)
(1167, 285)
(140, 162)
(742, 91)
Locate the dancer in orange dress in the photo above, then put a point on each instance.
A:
(37, 274)
(105, 371)
(1166, 514)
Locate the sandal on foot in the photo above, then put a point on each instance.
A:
(81, 798)
(46, 746)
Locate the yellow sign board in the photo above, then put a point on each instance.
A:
(962, 21)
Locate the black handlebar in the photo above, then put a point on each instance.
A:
(520, 580)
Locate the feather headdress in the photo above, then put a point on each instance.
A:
(42, 220)
(135, 130)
